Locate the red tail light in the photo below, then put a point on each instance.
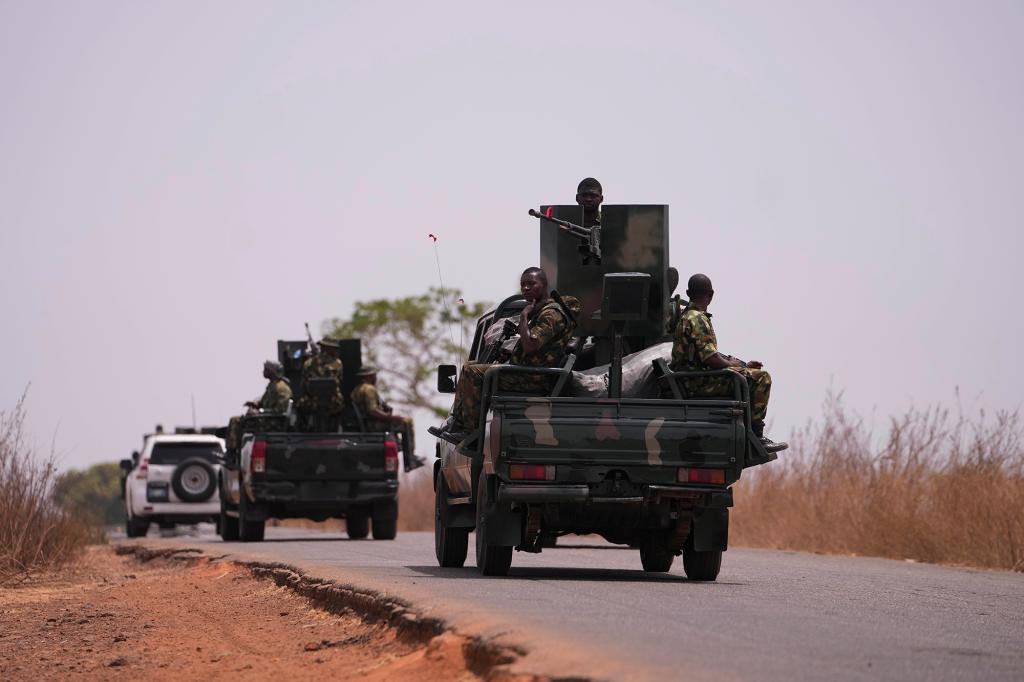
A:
(707, 476)
(143, 469)
(531, 472)
(390, 456)
(258, 460)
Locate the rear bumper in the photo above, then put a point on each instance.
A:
(178, 512)
(547, 493)
(328, 494)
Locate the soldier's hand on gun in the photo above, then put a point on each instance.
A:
(250, 403)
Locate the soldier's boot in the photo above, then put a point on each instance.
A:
(413, 462)
(769, 445)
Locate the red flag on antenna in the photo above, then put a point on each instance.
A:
(432, 236)
(550, 212)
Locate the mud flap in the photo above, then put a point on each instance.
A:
(504, 526)
(710, 530)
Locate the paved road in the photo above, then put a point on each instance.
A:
(590, 610)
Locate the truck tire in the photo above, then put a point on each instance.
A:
(654, 554)
(357, 524)
(135, 528)
(194, 480)
(228, 525)
(248, 530)
(451, 545)
(490, 559)
(701, 566)
(385, 520)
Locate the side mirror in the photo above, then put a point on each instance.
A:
(446, 375)
(127, 464)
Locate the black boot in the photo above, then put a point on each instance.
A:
(413, 462)
(758, 429)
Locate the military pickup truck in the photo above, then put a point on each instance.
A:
(280, 469)
(615, 447)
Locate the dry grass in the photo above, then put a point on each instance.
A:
(35, 533)
(938, 488)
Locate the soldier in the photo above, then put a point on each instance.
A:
(544, 330)
(278, 392)
(589, 196)
(695, 349)
(274, 399)
(377, 415)
(325, 364)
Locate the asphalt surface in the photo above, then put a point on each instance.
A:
(589, 610)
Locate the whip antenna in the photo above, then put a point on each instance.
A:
(444, 298)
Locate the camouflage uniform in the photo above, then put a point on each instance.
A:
(694, 343)
(365, 398)
(275, 398)
(316, 367)
(550, 326)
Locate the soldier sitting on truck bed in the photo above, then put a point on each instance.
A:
(695, 349)
(324, 364)
(544, 330)
(274, 399)
(377, 415)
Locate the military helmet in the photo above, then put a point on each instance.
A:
(366, 370)
(328, 342)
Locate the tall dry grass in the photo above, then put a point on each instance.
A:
(35, 533)
(936, 487)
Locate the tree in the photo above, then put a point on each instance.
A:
(406, 338)
(93, 494)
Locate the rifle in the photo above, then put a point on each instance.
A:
(589, 236)
(313, 349)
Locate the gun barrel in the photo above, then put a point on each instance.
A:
(572, 228)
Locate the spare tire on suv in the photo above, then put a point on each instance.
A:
(194, 480)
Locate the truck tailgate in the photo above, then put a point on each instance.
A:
(326, 456)
(626, 432)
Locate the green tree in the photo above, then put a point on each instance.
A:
(93, 494)
(406, 338)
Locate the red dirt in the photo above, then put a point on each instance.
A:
(109, 617)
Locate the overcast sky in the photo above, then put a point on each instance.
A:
(183, 183)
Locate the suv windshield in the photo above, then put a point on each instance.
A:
(173, 453)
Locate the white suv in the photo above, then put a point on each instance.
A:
(173, 481)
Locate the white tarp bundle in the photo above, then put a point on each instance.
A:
(637, 376)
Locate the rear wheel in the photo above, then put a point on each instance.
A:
(654, 553)
(451, 545)
(248, 530)
(357, 524)
(385, 520)
(228, 525)
(135, 528)
(490, 559)
(703, 566)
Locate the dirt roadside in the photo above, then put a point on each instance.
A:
(111, 617)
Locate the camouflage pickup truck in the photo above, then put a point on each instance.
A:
(615, 447)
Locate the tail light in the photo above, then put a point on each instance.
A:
(708, 476)
(143, 469)
(531, 472)
(390, 456)
(258, 460)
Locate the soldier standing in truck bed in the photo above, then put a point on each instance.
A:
(695, 349)
(325, 364)
(544, 330)
(589, 196)
(377, 416)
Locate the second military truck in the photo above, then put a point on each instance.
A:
(280, 470)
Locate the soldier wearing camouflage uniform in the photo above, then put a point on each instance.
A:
(377, 415)
(275, 398)
(325, 364)
(544, 331)
(695, 349)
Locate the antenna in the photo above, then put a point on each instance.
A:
(194, 425)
